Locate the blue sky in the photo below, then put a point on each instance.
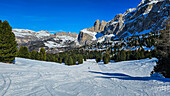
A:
(61, 15)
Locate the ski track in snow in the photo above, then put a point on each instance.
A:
(39, 78)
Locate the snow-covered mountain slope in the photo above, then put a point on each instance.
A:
(39, 78)
(51, 42)
(148, 15)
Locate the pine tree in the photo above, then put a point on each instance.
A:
(23, 52)
(122, 55)
(85, 58)
(128, 55)
(43, 54)
(80, 59)
(137, 55)
(106, 58)
(74, 57)
(60, 59)
(98, 58)
(8, 45)
(70, 61)
(37, 56)
(66, 59)
(33, 54)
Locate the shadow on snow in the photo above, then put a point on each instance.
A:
(128, 77)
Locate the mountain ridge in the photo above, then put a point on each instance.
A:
(148, 15)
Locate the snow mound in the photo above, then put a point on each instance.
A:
(157, 75)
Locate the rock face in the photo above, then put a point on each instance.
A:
(86, 37)
(53, 43)
(148, 16)
(98, 27)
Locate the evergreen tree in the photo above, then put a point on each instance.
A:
(85, 58)
(23, 52)
(8, 45)
(60, 59)
(66, 59)
(43, 54)
(70, 61)
(106, 58)
(74, 57)
(163, 52)
(80, 59)
(37, 57)
(122, 55)
(98, 58)
(33, 54)
(128, 55)
(142, 55)
(137, 55)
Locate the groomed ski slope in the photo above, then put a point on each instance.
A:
(38, 78)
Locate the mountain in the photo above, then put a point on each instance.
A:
(148, 16)
(53, 43)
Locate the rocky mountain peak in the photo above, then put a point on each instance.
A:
(98, 26)
(148, 16)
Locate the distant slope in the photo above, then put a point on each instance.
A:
(39, 78)
(53, 43)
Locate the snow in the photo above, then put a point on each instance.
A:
(146, 12)
(40, 78)
(104, 37)
(22, 32)
(113, 23)
(64, 39)
(52, 44)
(26, 32)
(154, 2)
(101, 39)
(93, 34)
(42, 34)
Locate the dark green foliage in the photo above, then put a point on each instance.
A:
(51, 57)
(137, 55)
(98, 58)
(142, 55)
(60, 59)
(74, 57)
(123, 55)
(66, 59)
(37, 57)
(85, 58)
(163, 52)
(106, 58)
(128, 55)
(42, 54)
(80, 59)
(23, 52)
(8, 45)
(70, 61)
(33, 54)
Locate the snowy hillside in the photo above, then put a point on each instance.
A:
(53, 43)
(38, 78)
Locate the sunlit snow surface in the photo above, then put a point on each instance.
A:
(38, 78)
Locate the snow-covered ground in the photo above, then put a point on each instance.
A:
(38, 78)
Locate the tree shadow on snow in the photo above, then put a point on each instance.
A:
(128, 77)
